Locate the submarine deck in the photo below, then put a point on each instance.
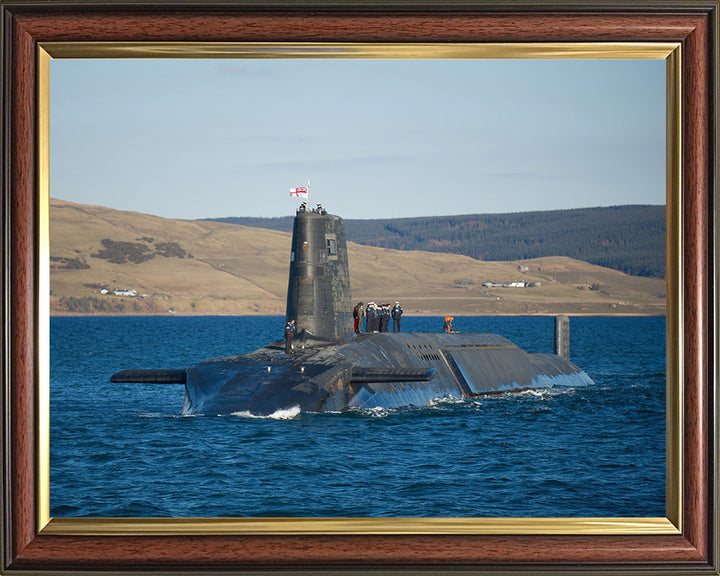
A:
(371, 370)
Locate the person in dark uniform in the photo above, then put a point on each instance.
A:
(396, 315)
(368, 317)
(384, 317)
(290, 330)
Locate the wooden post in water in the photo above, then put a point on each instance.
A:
(562, 336)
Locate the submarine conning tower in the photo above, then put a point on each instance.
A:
(318, 296)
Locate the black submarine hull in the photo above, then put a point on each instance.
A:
(331, 369)
(371, 371)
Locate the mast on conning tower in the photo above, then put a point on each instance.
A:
(302, 192)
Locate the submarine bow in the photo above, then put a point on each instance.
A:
(331, 369)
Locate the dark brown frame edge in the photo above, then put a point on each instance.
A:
(27, 23)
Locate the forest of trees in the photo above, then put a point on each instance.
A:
(626, 238)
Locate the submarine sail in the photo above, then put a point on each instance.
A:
(318, 296)
(332, 369)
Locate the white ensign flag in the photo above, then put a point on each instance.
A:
(301, 192)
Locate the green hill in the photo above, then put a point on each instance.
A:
(630, 239)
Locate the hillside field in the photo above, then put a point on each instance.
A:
(210, 268)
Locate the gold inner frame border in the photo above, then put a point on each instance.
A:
(671, 524)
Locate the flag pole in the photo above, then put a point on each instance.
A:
(308, 198)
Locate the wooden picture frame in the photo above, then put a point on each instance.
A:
(31, 545)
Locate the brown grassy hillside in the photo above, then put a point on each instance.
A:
(201, 267)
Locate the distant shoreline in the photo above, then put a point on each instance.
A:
(106, 262)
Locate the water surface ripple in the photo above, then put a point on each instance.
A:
(125, 450)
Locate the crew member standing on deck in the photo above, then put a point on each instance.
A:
(396, 315)
(358, 313)
(290, 330)
(384, 317)
(369, 317)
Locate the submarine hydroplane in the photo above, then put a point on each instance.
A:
(332, 369)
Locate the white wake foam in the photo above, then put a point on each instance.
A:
(283, 414)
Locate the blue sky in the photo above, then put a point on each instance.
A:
(378, 138)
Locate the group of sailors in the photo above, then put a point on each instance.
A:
(377, 317)
(318, 209)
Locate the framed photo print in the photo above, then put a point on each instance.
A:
(134, 131)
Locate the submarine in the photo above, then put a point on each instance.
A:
(331, 369)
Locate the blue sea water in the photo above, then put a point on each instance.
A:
(125, 450)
